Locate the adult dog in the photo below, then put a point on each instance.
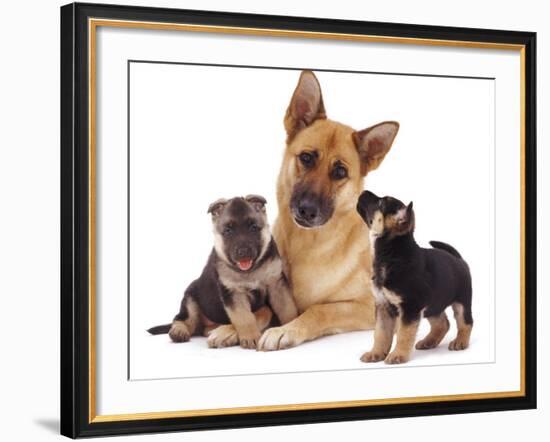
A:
(323, 241)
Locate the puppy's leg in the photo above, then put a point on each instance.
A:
(386, 315)
(263, 317)
(319, 320)
(220, 336)
(237, 306)
(439, 328)
(407, 326)
(281, 300)
(464, 323)
(187, 321)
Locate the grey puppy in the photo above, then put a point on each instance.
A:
(242, 283)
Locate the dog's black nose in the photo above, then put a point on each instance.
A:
(308, 210)
(244, 252)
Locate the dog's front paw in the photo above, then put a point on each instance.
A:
(373, 356)
(179, 332)
(250, 341)
(458, 344)
(396, 357)
(223, 336)
(279, 338)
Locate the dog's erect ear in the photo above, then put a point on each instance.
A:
(257, 201)
(405, 218)
(216, 208)
(404, 214)
(374, 143)
(306, 105)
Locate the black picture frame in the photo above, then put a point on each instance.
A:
(75, 219)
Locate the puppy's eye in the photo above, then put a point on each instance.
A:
(227, 231)
(254, 227)
(339, 172)
(307, 159)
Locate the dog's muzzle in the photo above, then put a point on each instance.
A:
(307, 214)
(244, 257)
(310, 212)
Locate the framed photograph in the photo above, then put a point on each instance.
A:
(274, 220)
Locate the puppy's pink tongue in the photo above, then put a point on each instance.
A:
(244, 264)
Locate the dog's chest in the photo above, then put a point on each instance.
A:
(381, 292)
(257, 279)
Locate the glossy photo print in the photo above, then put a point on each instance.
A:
(294, 266)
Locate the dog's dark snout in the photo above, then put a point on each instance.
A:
(308, 210)
(244, 252)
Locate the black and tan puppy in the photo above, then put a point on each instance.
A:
(409, 281)
(242, 283)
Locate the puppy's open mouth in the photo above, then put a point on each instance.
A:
(245, 264)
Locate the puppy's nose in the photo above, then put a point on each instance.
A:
(308, 210)
(244, 252)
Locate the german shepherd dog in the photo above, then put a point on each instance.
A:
(322, 240)
(410, 281)
(241, 284)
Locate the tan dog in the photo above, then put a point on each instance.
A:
(323, 241)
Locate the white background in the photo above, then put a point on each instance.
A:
(199, 133)
(29, 233)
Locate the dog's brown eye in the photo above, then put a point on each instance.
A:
(307, 159)
(254, 227)
(339, 172)
(227, 230)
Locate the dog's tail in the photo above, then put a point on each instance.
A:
(160, 329)
(446, 247)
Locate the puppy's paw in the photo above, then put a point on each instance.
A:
(458, 344)
(426, 344)
(179, 332)
(373, 356)
(396, 357)
(279, 338)
(223, 336)
(250, 342)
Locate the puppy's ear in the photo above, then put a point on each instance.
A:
(216, 208)
(306, 105)
(257, 201)
(365, 199)
(405, 218)
(370, 197)
(374, 143)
